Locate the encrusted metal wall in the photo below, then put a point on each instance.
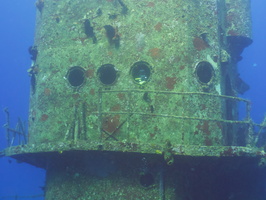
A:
(132, 71)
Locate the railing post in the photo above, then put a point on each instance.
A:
(6, 126)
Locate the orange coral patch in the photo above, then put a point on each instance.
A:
(200, 44)
(47, 91)
(44, 117)
(111, 123)
(150, 4)
(89, 73)
(158, 26)
(170, 82)
(155, 53)
(115, 108)
(121, 96)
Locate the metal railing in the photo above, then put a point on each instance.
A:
(224, 97)
(16, 136)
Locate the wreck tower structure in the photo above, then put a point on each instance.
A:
(139, 99)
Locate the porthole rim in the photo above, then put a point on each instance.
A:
(131, 70)
(114, 82)
(84, 76)
(210, 82)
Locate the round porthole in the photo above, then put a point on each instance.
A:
(107, 74)
(76, 76)
(204, 72)
(146, 180)
(141, 72)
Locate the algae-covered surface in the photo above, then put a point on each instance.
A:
(132, 71)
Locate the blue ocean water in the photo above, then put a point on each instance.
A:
(17, 22)
(17, 25)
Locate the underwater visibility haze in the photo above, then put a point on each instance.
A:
(133, 99)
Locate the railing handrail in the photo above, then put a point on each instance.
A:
(178, 93)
